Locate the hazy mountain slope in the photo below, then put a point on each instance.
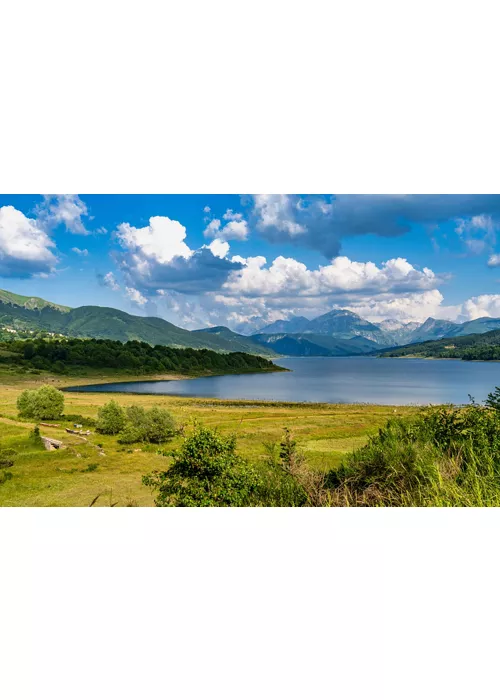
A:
(479, 325)
(346, 324)
(431, 329)
(237, 342)
(294, 324)
(399, 333)
(309, 344)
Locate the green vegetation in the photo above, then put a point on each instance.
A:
(206, 471)
(71, 355)
(46, 403)
(248, 453)
(29, 302)
(155, 425)
(136, 424)
(324, 433)
(25, 314)
(110, 419)
(442, 457)
(484, 346)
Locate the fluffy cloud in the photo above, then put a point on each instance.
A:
(66, 209)
(157, 257)
(320, 222)
(219, 248)
(78, 251)
(236, 228)
(483, 305)
(162, 240)
(287, 277)
(25, 247)
(259, 293)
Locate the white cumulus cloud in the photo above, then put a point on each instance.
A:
(25, 247)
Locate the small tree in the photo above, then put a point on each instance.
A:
(110, 419)
(206, 471)
(160, 425)
(493, 400)
(46, 403)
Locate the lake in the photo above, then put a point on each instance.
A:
(337, 380)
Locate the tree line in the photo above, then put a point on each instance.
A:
(61, 355)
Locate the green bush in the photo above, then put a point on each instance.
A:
(46, 403)
(110, 419)
(35, 437)
(156, 425)
(206, 471)
(443, 457)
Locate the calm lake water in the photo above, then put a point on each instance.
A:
(338, 380)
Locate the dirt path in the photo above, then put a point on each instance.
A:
(11, 421)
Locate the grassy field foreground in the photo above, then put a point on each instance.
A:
(103, 468)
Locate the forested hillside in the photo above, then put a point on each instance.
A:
(479, 346)
(105, 322)
(70, 355)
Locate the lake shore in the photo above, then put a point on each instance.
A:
(325, 432)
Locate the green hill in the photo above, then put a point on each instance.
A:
(237, 342)
(31, 313)
(478, 346)
(29, 302)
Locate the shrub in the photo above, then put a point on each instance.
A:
(206, 471)
(443, 457)
(35, 436)
(78, 418)
(46, 403)
(156, 425)
(110, 419)
(91, 468)
(5, 476)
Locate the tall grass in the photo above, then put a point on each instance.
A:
(443, 457)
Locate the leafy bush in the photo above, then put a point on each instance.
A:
(110, 419)
(206, 471)
(6, 458)
(444, 457)
(156, 425)
(46, 403)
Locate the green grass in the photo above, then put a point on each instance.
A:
(326, 432)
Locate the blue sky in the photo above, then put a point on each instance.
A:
(244, 260)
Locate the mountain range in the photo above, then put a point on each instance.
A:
(337, 333)
(346, 325)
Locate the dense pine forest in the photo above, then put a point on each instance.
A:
(65, 356)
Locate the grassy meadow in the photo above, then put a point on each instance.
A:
(100, 468)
